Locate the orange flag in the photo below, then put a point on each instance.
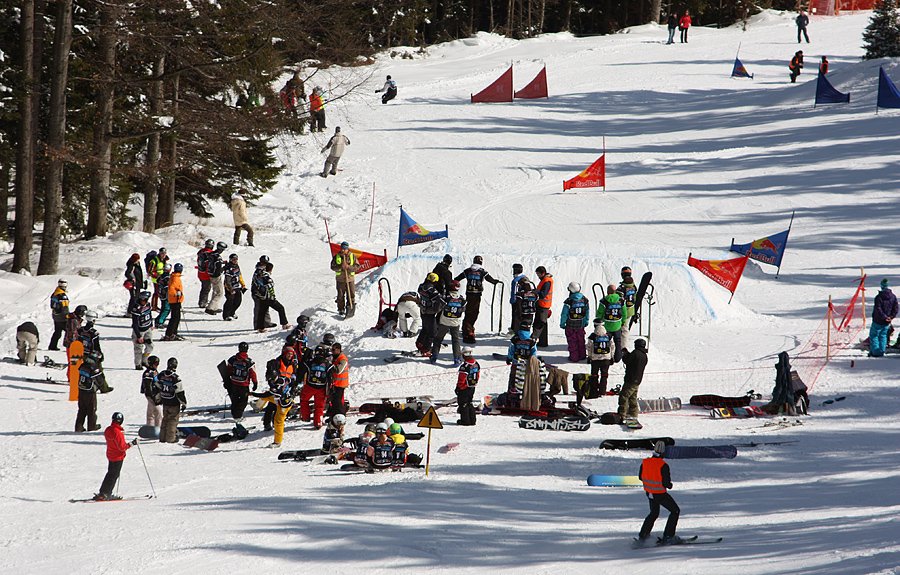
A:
(726, 273)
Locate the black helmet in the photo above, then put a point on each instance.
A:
(448, 259)
(210, 243)
(477, 260)
(80, 310)
(626, 271)
(178, 268)
(640, 344)
(389, 77)
(144, 295)
(118, 417)
(243, 347)
(233, 257)
(172, 363)
(517, 268)
(153, 361)
(302, 320)
(221, 247)
(263, 259)
(328, 338)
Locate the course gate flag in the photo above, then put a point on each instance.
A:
(726, 273)
(594, 176)
(412, 233)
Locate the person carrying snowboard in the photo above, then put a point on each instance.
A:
(336, 144)
(574, 318)
(449, 322)
(141, 329)
(116, 447)
(241, 373)
(389, 89)
(796, 65)
(475, 277)
(611, 309)
(150, 390)
(635, 362)
(655, 475)
(345, 264)
(202, 273)
(466, 380)
(171, 397)
(628, 290)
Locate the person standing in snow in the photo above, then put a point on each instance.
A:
(515, 318)
(176, 299)
(684, 24)
(635, 362)
(340, 381)
(526, 304)
(823, 66)
(150, 390)
(654, 474)
(141, 329)
(475, 277)
(241, 219)
(884, 311)
(409, 318)
(544, 303)
(449, 322)
(432, 303)
(389, 89)
(802, 22)
(265, 286)
(466, 380)
(601, 349)
(796, 65)
(316, 111)
(672, 25)
(90, 379)
(241, 374)
(574, 319)
(116, 446)
(27, 339)
(336, 144)
(162, 286)
(202, 273)
(155, 268)
(59, 309)
(445, 276)
(257, 292)
(345, 264)
(134, 277)
(319, 378)
(171, 396)
(234, 288)
(611, 309)
(215, 267)
(628, 290)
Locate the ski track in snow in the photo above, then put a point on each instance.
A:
(694, 158)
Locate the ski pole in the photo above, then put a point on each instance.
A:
(145, 468)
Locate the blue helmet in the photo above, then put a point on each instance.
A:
(523, 334)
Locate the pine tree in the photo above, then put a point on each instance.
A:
(882, 35)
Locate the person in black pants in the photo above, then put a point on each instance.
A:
(655, 475)
(116, 446)
(267, 300)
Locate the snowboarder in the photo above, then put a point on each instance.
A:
(612, 310)
(171, 397)
(884, 310)
(601, 349)
(89, 381)
(635, 362)
(515, 318)
(264, 288)
(27, 339)
(235, 287)
(162, 286)
(241, 219)
(521, 349)
(445, 276)
(469, 374)
(409, 318)
(176, 299)
(475, 277)
(431, 303)
(298, 339)
(449, 322)
(574, 318)
(340, 381)
(202, 272)
(116, 446)
(215, 267)
(73, 325)
(316, 111)
(654, 474)
(155, 268)
(333, 440)
(389, 89)
(802, 21)
(282, 397)
(684, 24)
(795, 65)
(150, 390)
(628, 290)
(345, 264)
(380, 452)
(257, 300)
(286, 365)
(823, 66)
(672, 25)
(241, 373)
(526, 304)
(134, 276)
(141, 329)
(318, 380)
(336, 144)
(59, 309)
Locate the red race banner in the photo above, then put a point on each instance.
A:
(592, 177)
(366, 260)
(726, 273)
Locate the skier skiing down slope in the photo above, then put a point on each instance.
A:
(475, 277)
(655, 475)
(389, 89)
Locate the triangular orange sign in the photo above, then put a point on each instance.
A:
(431, 421)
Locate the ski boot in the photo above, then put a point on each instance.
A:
(673, 540)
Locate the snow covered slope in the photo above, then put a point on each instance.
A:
(694, 158)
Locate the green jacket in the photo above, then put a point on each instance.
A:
(613, 312)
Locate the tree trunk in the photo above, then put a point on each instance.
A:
(98, 209)
(56, 139)
(5, 172)
(40, 167)
(510, 18)
(25, 155)
(165, 212)
(543, 14)
(151, 180)
(655, 9)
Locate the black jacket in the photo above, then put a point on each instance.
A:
(445, 276)
(635, 361)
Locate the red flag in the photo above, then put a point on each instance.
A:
(537, 88)
(592, 177)
(501, 90)
(366, 260)
(726, 273)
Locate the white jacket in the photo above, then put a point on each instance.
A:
(239, 211)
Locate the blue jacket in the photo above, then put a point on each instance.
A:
(564, 320)
(512, 287)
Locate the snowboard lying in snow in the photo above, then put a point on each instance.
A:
(597, 480)
(701, 452)
(659, 404)
(150, 432)
(207, 443)
(567, 423)
(648, 443)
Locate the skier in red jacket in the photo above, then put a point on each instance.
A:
(683, 25)
(116, 446)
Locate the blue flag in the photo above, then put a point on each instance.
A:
(768, 250)
(413, 233)
(827, 94)
(888, 94)
(739, 70)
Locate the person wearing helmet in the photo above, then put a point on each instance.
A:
(318, 380)
(241, 219)
(27, 339)
(134, 276)
(282, 392)
(628, 290)
(150, 390)
(601, 349)
(361, 454)
(237, 375)
(612, 310)
(316, 111)
(544, 303)
(333, 442)
(59, 311)
(380, 453)
(574, 318)
(431, 303)
(635, 362)
(466, 380)
(299, 339)
(445, 276)
(526, 304)
(518, 273)
(389, 89)
(215, 267)
(345, 264)
(336, 144)
(162, 288)
(286, 365)
(116, 446)
(475, 276)
(173, 400)
(73, 324)
(340, 381)
(258, 290)
(141, 329)
(176, 300)
(401, 448)
(209, 247)
(155, 269)
(90, 381)
(234, 288)
(450, 321)
(654, 473)
(264, 288)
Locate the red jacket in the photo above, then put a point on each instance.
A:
(116, 446)
(685, 21)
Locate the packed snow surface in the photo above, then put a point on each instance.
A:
(694, 159)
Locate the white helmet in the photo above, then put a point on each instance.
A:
(381, 428)
(574, 287)
(339, 419)
(388, 421)
(468, 351)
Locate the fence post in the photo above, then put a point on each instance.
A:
(862, 281)
(828, 332)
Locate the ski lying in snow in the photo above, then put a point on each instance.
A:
(648, 443)
(92, 500)
(568, 423)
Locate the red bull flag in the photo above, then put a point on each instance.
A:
(594, 176)
(768, 250)
(413, 233)
(726, 273)
(366, 260)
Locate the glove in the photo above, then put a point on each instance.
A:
(183, 406)
(376, 91)
(134, 441)
(140, 340)
(508, 362)
(323, 150)
(254, 387)
(243, 290)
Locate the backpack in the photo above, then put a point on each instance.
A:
(259, 286)
(202, 260)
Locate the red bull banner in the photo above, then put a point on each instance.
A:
(594, 176)
(413, 233)
(768, 250)
(726, 273)
(366, 260)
